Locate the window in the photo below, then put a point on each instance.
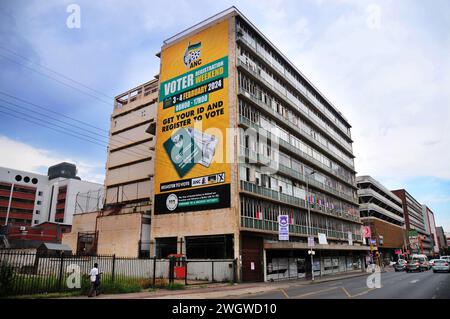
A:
(34, 180)
(26, 179)
(36, 221)
(18, 178)
(40, 193)
(38, 212)
(39, 202)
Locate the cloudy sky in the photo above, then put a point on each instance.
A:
(384, 64)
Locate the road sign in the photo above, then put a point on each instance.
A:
(283, 227)
(311, 241)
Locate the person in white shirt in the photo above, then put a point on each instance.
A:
(93, 279)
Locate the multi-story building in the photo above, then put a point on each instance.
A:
(29, 200)
(382, 211)
(431, 229)
(442, 240)
(122, 227)
(246, 145)
(418, 234)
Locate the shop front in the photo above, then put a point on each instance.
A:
(295, 263)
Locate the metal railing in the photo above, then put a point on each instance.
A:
(31, 273)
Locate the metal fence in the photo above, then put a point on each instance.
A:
(24, 273)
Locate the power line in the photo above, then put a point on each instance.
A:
(56, 72)
(59, 81)
(74, 133)
(62, 115)
(53, 118)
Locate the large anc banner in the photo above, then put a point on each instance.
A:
(191, 171)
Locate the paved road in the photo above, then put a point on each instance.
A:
(394, 285)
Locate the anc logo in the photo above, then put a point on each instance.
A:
(191, 56)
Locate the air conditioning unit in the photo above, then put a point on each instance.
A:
(22, 228)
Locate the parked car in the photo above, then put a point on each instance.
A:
(400, 265)
(441, 265)
(445, 258)
(432, 262)
(418, 263)
(425, 264)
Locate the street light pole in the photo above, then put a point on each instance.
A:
(309, 224)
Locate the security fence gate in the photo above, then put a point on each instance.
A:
(30, 273)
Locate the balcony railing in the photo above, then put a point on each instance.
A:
(295, 201)
(301, 230)
(257, 158)
(319, 106)
(292, 149)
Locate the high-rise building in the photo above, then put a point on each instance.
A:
(122, 227)
(442, 240)
(418, 235)
(382, 211)
(246, 145)
(431, 229)
(28, 199)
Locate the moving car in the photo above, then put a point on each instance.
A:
(400, 265)
(418, 263)
(441, 265)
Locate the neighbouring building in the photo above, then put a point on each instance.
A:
(419, 238)
(36, 207)
(245, 143)
(442, 240)
(382, 211)
(122, 227)
(431, 229)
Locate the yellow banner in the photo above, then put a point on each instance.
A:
(191, 170)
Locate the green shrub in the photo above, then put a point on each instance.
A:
(175, 286)
(6, 279)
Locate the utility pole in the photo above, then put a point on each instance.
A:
(9, 204)
(309, 223)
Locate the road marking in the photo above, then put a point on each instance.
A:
(315, 292)
(346, 292)
(414, 281)
(284, 293)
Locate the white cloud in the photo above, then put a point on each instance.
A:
(22, 156)
(391, 85)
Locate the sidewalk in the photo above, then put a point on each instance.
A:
(223, 290)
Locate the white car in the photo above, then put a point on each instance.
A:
(441, 265)
(445, 258)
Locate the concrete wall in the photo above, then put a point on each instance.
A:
(80, 223)
(119, 234)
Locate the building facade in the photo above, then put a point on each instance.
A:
(442, 240)
(431, 229)
(382, 211)
(418, 236)
(28, 200)
(122, 227)
(246, 144)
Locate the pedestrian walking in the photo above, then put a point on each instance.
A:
(93, 274)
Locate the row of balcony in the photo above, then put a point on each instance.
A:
(295, 201)
(292, 84)
(294, 150)
(269, 225)
(295, 128)
(257, 157)
(367, 192)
